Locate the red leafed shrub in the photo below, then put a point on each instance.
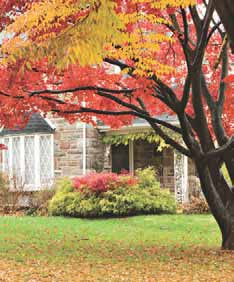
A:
(102, 182)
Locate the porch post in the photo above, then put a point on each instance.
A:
(181, 177)
(107, 158)
(131, 157)
(185, 179)
(84, 167)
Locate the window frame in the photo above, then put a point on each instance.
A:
(37, 185)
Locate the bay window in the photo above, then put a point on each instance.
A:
(29, 159)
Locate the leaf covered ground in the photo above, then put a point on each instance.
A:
(143, 248)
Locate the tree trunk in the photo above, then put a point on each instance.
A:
(220, 200)
(229, 161)
(228, 235)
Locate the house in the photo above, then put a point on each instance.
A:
(47, 149)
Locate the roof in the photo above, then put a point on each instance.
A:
(36, 124)
(139, 123)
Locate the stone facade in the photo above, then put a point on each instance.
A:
(95, 150)
(69, 148)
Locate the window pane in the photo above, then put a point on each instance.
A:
(6, 156)
(45, 159)
(29, 159)
(16, 158)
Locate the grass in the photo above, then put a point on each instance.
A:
(143, 248)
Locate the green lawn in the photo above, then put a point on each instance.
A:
(145, 248)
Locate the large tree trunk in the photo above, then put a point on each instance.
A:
(220, 200)
(228, 235)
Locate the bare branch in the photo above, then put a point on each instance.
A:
(213, 29)
(93, 111)
(203, 36)
(81, 88)
(169, 140)
(196, 19)
(135, 110)
(220, 151)
(186, 27)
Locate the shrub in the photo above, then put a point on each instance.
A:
(196, 206)
(11, 190)
(114, 195)
(102, 182)
(64, 185)
(39, 201)
(147, 178)
(136, 201)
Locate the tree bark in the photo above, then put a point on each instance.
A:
(220, 200)
(228, 236)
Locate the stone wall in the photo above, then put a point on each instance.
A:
(94, 150)
(68, 148)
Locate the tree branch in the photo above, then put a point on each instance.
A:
(169, 140)
(196, 19)
(186, 91)
(199, 54)
(213, 29)
(220, 151)
(135, 110)
(186, 27)
(117, 63)
(93, 111)
(81, 88)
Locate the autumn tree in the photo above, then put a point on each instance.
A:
(171, 57)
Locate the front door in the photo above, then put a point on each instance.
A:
(120, 158)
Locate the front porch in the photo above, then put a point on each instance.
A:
(172, 169)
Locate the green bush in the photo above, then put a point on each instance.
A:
(146, 197)
(147, 178)
(64, 185)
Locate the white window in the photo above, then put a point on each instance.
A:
(29, 160)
